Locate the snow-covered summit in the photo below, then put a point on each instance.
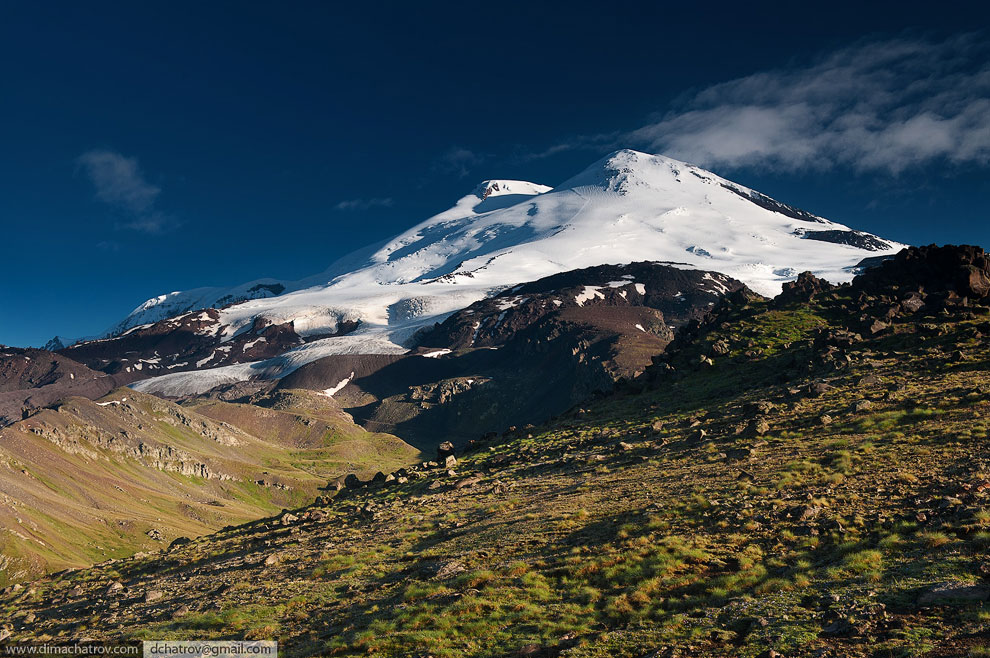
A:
(627, 207)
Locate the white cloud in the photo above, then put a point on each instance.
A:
(364, 204)
(119, 182)
(458, 160)
(887, 105)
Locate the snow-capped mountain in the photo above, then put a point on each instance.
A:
(627, 207)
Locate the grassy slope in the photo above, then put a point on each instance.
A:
(622, 531)
(74, 504)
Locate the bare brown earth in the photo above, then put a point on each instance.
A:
(90, 480)
(31, 379)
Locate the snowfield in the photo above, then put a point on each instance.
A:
(627, 207)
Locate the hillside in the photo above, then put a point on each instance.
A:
(804, 476)
(31, 379)
(84, 481)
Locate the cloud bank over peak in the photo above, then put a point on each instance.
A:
(883, 106)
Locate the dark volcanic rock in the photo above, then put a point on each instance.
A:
(802, 289)
(852, 238)
(666, 298)
(523, 356)
(963, 270)
(188, 342)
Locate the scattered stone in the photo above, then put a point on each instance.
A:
(288, 519)
(155, 534)
(352, 482)
(745, 476)
(181, 611)
(529, 650)
(272, 560)
(625, 446)
(153, 595)
(826, 419)
(863, 405)
(450, 461)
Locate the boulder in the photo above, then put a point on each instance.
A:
(759, 427)
(818, 389)
(802, 289)
(444, 450)
(954, 592)
(878, 327)
(758, 408)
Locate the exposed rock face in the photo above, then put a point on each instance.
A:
(804, 288)
(188, 342)
(677, 296)
(31, 379)
(852, 238)
(963, 270)
(524, 355)
(94, 435)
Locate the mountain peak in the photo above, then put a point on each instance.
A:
(625, 169)
(627, 207)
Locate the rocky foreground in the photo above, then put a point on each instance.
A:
(806, 476)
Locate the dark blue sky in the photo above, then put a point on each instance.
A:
(158, 146)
